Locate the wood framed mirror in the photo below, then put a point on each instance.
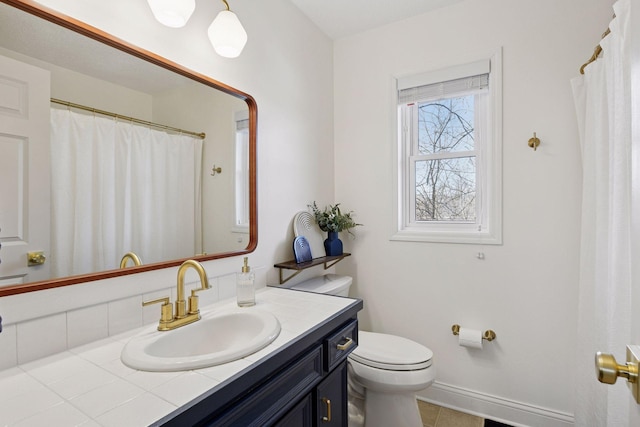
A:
(22, 22)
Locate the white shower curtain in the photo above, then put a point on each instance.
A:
(602, 97)
(120, 187)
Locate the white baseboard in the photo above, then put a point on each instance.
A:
(496, 408)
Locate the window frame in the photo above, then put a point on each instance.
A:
(241, 174)
(488, 226)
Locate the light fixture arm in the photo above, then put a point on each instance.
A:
(226, 4)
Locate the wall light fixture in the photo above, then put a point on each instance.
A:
(226, 33)
(172, 13)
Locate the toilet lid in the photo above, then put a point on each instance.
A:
(390, 352)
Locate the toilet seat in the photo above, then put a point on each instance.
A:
(390, 352)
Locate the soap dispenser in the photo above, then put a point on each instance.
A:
(245, 290)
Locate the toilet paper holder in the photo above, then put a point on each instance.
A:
(488, 335)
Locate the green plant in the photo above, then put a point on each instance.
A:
(332, 218)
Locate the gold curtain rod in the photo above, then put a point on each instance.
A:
(596, 52)
(200, 135)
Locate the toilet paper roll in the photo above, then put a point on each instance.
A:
(471, 338)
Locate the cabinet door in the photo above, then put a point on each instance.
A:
(270, 401)
(331, 399)
(300, 415)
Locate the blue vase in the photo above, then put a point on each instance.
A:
(333, 244)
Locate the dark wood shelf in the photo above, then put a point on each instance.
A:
(328, 262)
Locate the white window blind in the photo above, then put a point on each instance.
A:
(242, 124)
(436, 84)
(444, 89)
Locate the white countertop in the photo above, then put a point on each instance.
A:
(90, 386)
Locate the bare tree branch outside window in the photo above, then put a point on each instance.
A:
(446, 184)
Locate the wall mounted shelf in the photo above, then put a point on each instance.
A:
(328, 261)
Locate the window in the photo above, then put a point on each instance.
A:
(242, 172)
(448, 156)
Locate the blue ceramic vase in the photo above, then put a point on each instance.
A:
(333, 244)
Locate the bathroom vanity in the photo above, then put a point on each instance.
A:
(304, 383)
(297, 380)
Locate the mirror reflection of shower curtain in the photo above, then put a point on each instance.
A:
(120, 187)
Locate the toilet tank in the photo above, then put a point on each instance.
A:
(330, 284)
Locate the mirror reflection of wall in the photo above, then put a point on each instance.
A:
(189, 106)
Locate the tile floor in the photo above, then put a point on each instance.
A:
(436, 416)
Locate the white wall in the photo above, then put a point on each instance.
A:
(526, 288)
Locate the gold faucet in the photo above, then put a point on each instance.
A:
(182, 316)
(130, 256)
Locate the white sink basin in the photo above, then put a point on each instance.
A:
(219, 337)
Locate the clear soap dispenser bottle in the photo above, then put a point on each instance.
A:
(245, 290)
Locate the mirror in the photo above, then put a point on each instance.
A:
(215, 108)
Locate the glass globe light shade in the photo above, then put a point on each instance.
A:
(172, 13)
(227, 35)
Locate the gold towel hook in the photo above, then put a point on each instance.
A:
(215, 170)
(534, 142)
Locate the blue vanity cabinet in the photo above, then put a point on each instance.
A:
(331, 394)
(331, 399)
(326, 405)
(296, 386)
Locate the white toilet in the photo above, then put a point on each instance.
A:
(385, 371)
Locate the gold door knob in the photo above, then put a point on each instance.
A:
(608, 370)
(36, 258)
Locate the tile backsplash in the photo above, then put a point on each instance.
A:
(39, 324)
(41, 337)
(8, 346)
(87, 324)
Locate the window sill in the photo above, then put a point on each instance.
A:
(240, 229)
(463, 237)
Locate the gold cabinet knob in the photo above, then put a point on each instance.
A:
(608, 370)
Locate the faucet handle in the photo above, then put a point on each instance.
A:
(166, 310)
(193, 300)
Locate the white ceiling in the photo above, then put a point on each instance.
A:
(341, 18)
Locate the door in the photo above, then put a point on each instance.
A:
(24, 171)
(634, 416)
